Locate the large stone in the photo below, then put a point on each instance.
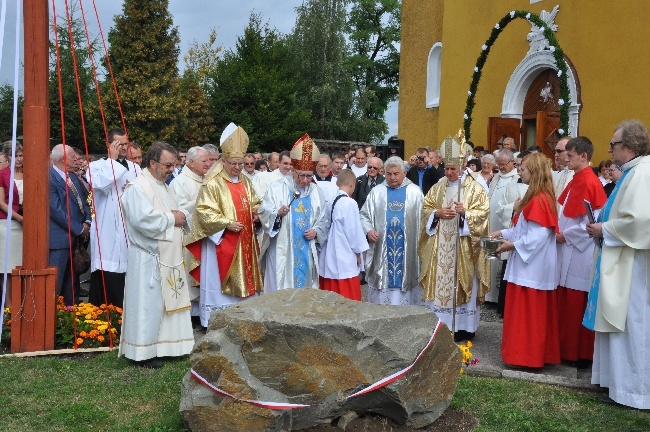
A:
(315, 347)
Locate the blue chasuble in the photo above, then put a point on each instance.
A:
(300, 222)
(589, 319)
(396, 202)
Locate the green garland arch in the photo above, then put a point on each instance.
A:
(555, 48)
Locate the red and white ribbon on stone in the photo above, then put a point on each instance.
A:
(287, 406)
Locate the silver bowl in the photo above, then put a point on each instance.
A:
(491, 244)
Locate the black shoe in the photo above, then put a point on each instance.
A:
(153, 363)
(606, 400)
(583, 364)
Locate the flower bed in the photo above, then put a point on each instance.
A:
(92, 325)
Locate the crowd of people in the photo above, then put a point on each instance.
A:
(177, 234)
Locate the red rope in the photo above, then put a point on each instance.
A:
(110, 71)
(67, 199)
(90, 175)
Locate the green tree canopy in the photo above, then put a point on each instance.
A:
(144, 49)
(255, 86)
(7, 112)
(74, 133)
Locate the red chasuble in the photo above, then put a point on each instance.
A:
(227, 248)
(584, 186)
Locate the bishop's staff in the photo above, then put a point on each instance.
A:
(462, 158)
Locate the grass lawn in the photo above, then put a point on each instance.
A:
(103, 393)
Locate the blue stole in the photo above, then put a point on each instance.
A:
(589, 319)
(300, 222)
(395, 211)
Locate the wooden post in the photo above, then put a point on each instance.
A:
(34, 285)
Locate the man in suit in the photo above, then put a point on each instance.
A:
(69, 218)
(421, 174)
(368, 181)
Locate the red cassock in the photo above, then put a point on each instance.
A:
(530, 323)
(348, 288)
(576, 341)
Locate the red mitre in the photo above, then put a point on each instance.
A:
(304, 154)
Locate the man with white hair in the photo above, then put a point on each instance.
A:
(508, 143)
(108, 236)
(507, 174)
(249, 166)
(294, 220)
(186, 187)
(213, 153)
(390, 218)
(323, 177)
(69, 218)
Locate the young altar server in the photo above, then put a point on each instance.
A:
(340, 259)
(530, 326)
(576, 252)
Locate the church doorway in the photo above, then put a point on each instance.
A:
(530, 111)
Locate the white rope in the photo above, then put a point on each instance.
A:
(13, 154)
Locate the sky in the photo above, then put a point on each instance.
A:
(194, 19)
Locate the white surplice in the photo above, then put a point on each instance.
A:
(359, 171)
(147, 330)
(337, 259)
(330, 190)
(497, 189)
(534, 257)
(108, 179)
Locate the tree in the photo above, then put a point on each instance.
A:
(144, 49)
(320, 55)
(197, 127)
(256, 87)
(74, 133)
(202, 59)
(7, 112)
(374, 28)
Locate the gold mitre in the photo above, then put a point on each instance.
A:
(304, 154)
(234, 141)
(454, 150)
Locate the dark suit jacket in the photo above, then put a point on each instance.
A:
(59, 238)
(431, 177)
(362, 188)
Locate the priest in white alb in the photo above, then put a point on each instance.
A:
(294, 221)
(507, 174)
(619, 300)
(108, 246)
(390, 218)
(156, 319)
(186, 187)
(447, 214)
(222, 240)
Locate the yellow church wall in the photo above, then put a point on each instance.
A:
(417, 124)
(605, 41)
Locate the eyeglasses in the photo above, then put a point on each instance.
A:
(167, 165)
(235, 164)
(304, 176)
(249, 163)
(373, 168)
(614, 143)
(559, 151)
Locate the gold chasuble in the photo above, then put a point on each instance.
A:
(437, 251)
(220, 202)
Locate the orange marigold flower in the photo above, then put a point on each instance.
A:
(100, 338)
(83, 334)
(80, 341)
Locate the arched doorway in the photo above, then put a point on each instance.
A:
(523, 96)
